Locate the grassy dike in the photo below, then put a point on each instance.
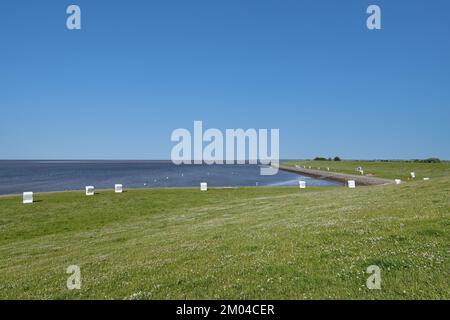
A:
(389, 170)
(274, 243)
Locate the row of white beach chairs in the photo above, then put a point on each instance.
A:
(118, 188)
(90, 191)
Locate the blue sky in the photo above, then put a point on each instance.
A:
(137, 70)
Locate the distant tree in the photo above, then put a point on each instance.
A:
(429, 160)
(337, 158)
(320, 159)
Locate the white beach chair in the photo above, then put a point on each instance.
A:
(27, 197)
(90, 190)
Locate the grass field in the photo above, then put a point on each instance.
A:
(390, 170)
(249, 243)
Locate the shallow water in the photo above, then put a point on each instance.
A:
(40, 176)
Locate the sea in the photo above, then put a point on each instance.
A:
(44, 176)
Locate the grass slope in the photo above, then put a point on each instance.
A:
(390, 170)
(277, 243)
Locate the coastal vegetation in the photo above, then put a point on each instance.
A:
(325, 159)
(381, 168)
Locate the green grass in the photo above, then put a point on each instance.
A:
(389, 170)
(249, 243)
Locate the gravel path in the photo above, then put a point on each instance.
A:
(341, 177)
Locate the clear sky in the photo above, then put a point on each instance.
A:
(137, 70)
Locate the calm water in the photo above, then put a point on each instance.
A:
(39, 176)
